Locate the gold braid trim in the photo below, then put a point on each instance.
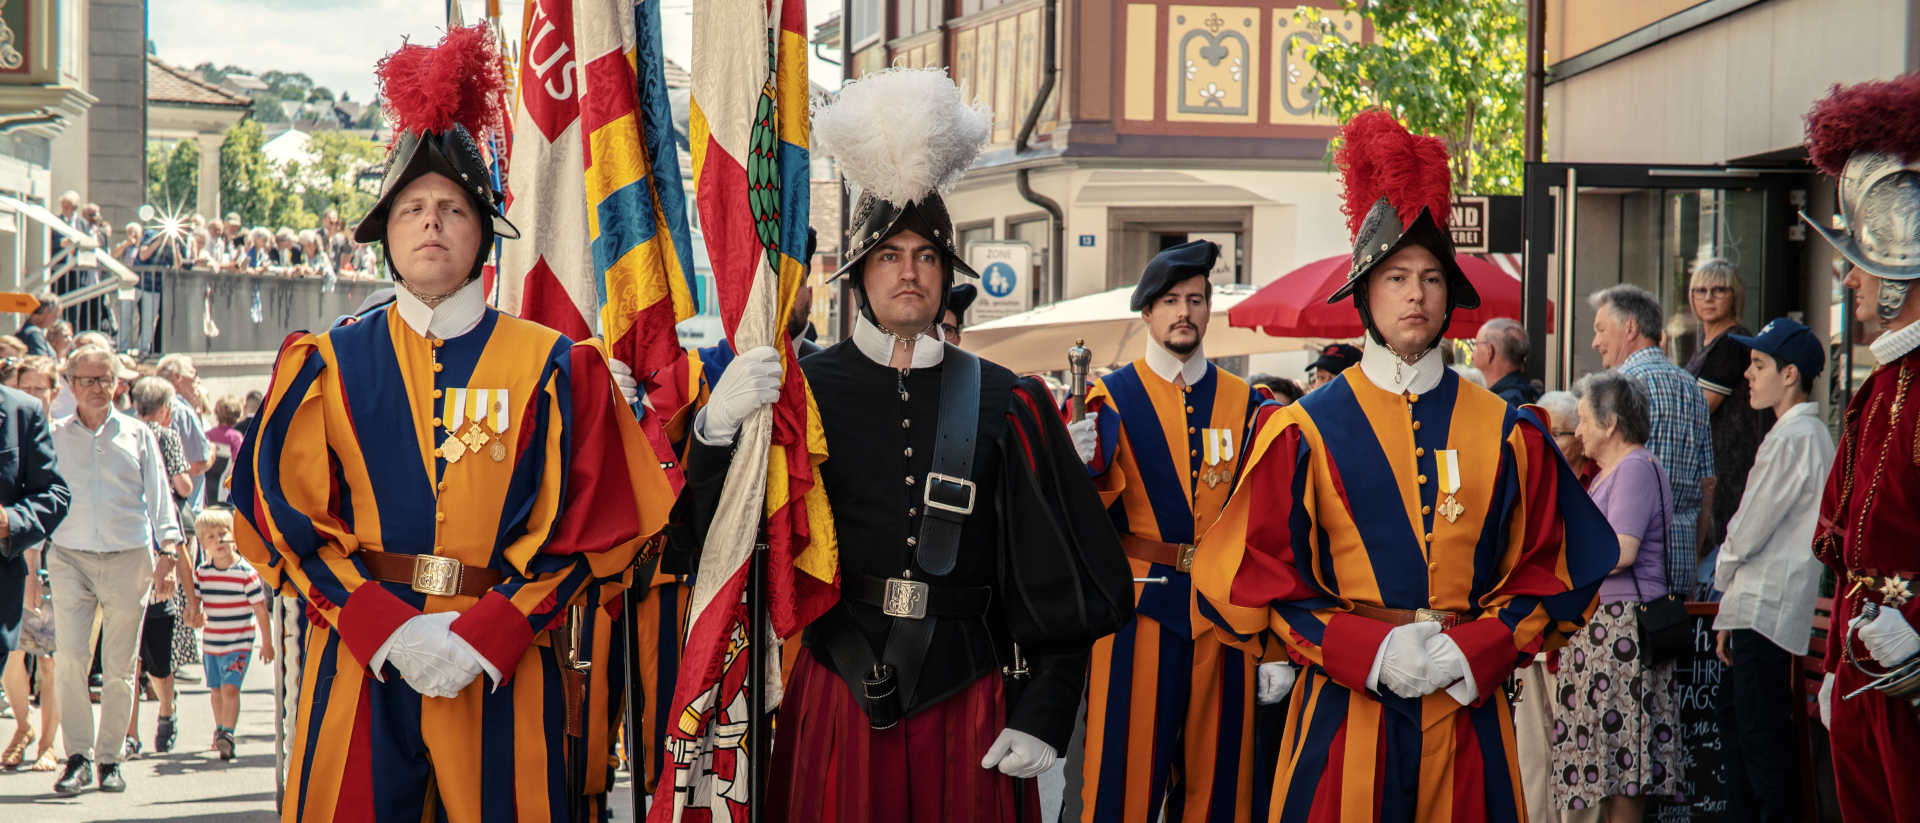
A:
(1879, 471)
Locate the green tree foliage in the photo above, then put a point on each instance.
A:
(333, 179)
(266, 108)
(1455, 69)
(173, 175)
(246, 178)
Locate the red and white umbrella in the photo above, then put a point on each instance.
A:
(1296, 304)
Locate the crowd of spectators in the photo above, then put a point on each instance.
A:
(118, 554)
(228, 245)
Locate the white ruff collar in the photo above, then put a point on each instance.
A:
(1894, 345)
(1389, 372)
(455, 316)
(877, 345)
(1168, 366)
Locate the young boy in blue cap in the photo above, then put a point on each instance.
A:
(1770, 576)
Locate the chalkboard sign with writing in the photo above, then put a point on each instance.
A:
(1703, 788)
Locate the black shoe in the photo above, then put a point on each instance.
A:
(110, 779)
(223, 741)
(164, 736)
(131, 751)
(78, 775)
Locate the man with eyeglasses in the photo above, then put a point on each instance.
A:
(104, 556)
(1500, 353)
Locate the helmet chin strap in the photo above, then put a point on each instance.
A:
(1892, 297)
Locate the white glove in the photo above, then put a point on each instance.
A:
(1019, 755)
(1402, 664)
(1826, 701)
(623, 377)
(1086, 438)
(1889, 638)
(1273, 683)
(1450, 664)
(427, 655)
(751, 381)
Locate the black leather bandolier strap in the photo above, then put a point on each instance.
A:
(888, 684)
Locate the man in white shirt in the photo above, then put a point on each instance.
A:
(103, 557)
(1770, 576)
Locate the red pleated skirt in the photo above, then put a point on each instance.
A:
(829, 764)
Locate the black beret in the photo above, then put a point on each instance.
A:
(1170, 267)
(960, 298)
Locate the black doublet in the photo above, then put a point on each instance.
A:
(1038, 535)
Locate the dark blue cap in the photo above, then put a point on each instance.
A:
(1788, 342)
(1335, 358)
(1169, 268)
(960, 298)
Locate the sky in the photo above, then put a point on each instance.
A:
(336, 42)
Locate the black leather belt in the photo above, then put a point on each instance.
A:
(916, 603)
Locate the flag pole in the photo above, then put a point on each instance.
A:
(759, 729)
(630, 615)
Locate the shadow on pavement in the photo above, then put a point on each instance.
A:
(223, 817)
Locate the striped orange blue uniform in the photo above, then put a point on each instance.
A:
(1340, 503)
(1169, 706)
(554, 487)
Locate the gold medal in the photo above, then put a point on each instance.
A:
(499, 451)
(453, 450)
(1451, 509)
(476, 437)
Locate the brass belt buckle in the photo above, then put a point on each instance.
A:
(433, 574)
(1186, 558)
(1445, 619)
(905, 598)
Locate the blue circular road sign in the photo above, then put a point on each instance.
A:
(999, 279)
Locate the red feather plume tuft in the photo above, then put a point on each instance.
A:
(1379, 158)
(1880, 116)
(428, 89)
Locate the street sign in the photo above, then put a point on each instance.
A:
(1086, 240)
(1469, 228)
(1006, 287)
(17, 302)
(1225, 269)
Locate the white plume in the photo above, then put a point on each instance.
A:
(901, 133)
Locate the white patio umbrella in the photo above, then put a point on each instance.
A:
(1038, 340)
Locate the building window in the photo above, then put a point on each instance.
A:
(865, 23)
(1035, 232)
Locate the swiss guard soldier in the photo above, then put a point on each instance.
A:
(1170, 708)
(1870, 516)
(440, 483)
(977, 567)
(1408, 536)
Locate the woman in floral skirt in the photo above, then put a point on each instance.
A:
(1617, 721)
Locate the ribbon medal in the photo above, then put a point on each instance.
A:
(1219, 452)
(1447, 465)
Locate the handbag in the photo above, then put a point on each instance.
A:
(1663, 623)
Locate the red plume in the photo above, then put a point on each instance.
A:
(428, 89)
(1883, 116)
(1379, 158)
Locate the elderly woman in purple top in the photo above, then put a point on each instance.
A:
(1616, 721)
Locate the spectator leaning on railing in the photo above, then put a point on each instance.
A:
(103, 558)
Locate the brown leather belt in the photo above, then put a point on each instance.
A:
(1177, 555)
(430, 573)
(1402, 617)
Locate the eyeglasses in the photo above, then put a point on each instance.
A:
(90, 382)
(951, 329)
(1711, 291)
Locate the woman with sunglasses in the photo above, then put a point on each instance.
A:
(1718, 299)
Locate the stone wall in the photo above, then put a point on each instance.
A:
(286, 306)
(117, 124)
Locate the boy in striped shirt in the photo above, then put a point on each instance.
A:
(232, 600)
